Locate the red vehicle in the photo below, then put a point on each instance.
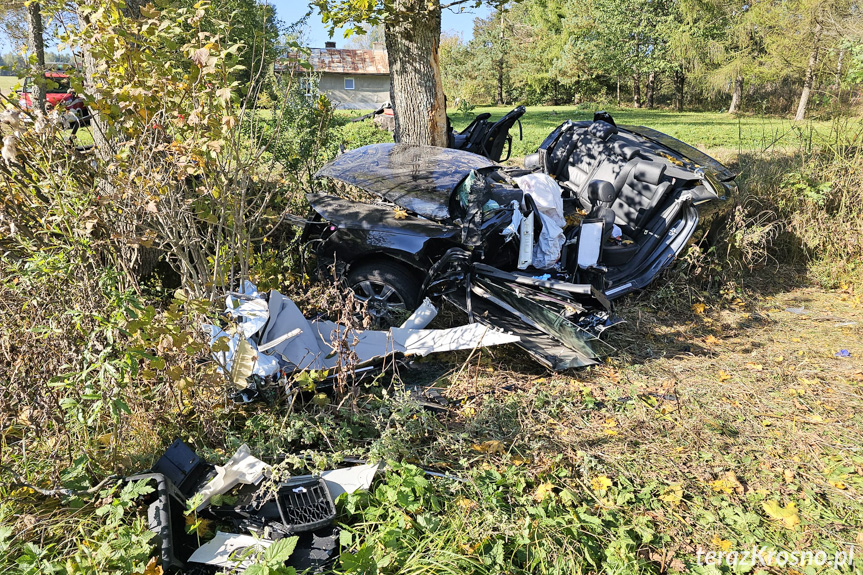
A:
(58, 92)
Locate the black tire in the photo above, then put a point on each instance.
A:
(392, 290)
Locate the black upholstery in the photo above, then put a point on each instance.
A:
(639, 194)
(498, 134)
(602, 195)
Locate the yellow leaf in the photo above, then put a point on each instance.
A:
(720, 543)
(672, 494)
(838, 485)
(698, 308)
(490, 447)
(202, 527)
(778, 359)
(724, 376)
(465, 503)
(755, 366)
(711, 340)
(153, 567)
(789, 475)
(543, 491)
(600, 484)
(728, 483)
(787, 515)
(400, 214)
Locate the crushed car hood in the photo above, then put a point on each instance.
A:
(417, 178)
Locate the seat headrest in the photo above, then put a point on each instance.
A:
(624, 151)
(602, 130)
(600, 191)
(649, 172)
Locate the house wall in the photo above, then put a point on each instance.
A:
(370, 90)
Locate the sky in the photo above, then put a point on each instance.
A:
(289, 11)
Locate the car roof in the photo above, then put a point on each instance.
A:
(418, 178)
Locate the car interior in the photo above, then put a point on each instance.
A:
(630, 186)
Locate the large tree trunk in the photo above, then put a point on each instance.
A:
(651, 88)
(636, 90)
(618, 90)
(37, 47)
(810, 75)
(737, 95)
(679, 81)
(416, 90)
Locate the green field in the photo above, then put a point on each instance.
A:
(7, 83)
(706, 130)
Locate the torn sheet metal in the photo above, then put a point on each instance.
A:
(292, 342)
(242, 467)
(230, 550)
(349, 479)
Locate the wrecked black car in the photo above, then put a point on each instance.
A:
(540, 251)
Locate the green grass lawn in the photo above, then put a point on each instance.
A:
(7, 84)
(705, 130)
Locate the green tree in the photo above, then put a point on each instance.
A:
(412, 29)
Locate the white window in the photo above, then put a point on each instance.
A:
(349, 83)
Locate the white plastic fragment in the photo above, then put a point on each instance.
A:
(349, 479)
(525, 248)
(230, 550)
(242, 467)
(423, 316)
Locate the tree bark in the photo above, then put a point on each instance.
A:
(651, 88)
(810, 75)
(37, 46)
(679, 81)
(737, 95)
(618, 90)
(636, 90)
(416, 89)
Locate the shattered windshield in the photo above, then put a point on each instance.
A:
(418, 178)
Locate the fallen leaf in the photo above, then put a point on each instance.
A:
(400, 214)
(543, 491)
(720, 543)
(153, 567)
(698, 308)
(491, 447)
(724, 376)
(787, 515)
(672, 494)
(600, 483)
(789, 475)
(711, 340)
(755, 366)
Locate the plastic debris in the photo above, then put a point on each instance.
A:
(349, 479)
(230, 550)
(843, 353)
(240, 468)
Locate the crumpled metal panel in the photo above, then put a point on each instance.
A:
(339, 61)
(418, 178)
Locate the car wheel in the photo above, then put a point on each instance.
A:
(391, 291)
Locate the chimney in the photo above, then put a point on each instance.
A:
(379, 46)
(329, 44)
